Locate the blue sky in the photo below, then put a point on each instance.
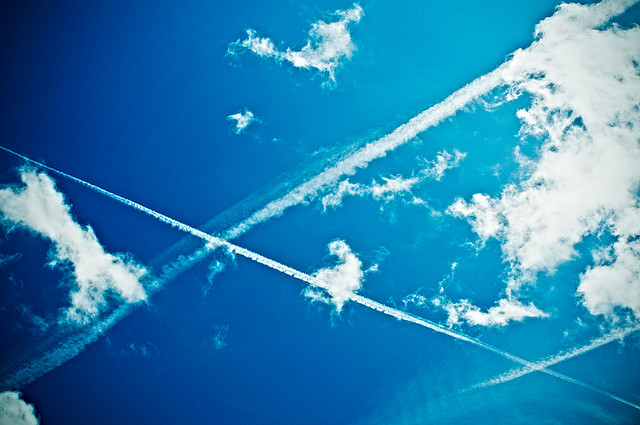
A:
(471, 170)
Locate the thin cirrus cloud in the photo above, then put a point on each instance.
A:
(15, 411)
(242, 120)
(584, 82)
(38, 207)
(328, 45)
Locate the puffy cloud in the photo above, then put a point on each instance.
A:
(506, 311)
(329, 44)
(583, 78)
(395, 186)
(14, 411)
(340, 281)
(38, 207)
(243, 119)
(606, 286)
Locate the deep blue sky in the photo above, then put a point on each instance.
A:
(133, 97)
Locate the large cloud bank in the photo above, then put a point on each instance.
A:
(583, 76)
(38, 207)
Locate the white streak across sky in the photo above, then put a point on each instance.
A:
(359, 299)
(616, 335)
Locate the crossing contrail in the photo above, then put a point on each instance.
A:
(215, 242)
(616, 335)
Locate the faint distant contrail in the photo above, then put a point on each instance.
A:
(616, 335)
(398, 314)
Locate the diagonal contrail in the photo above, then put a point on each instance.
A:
(616, 335)
(364, 301)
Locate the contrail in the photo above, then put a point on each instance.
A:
(616, 335)
(364, 301)
(403, 315)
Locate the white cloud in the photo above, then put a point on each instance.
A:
(14, 411)
(395, 186)
(392, 188)
(341, 281)
(329, 44)
(38, 207)
(606, 286)
(503, 313)
(585, 87)
(243, 119)
(499, 315)
(443, 162)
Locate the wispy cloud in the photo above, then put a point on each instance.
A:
(14, 411)
(583, 78)
(394, 187)
(242, 120)
(219, 339)
(443, 162)
(38, 207)
(328, 45)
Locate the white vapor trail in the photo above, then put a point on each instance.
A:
(616, 335)
(364, 301)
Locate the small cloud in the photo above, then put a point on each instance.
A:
(219, 340)
(243, 119)
(507, 310)
(38, 207)
(14, 411)
(215, 268)
(395, 187)
(8, 259)
(341, 281)
(444, 161)
(327, 46)
(144, 350)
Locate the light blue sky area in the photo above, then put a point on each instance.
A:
(506, 215)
